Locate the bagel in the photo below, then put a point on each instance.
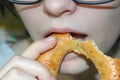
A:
(107, 67)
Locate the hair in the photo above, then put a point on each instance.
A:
(6, 5)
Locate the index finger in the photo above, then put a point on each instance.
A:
(38, 47)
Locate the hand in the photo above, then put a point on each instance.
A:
(25, 67)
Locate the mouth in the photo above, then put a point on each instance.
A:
(73, 34)
(78, 36)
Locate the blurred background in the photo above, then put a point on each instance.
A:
(11, 26)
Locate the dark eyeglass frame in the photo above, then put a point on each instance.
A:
(80, 2)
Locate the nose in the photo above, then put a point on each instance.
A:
(59, 7)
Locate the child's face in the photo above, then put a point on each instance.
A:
(99, 22)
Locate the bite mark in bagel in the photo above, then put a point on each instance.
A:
(108, 68)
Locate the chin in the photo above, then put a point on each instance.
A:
(79, 65)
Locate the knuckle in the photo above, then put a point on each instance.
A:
(16, 58)
(14, 70)
(12, 74)
(37, 42)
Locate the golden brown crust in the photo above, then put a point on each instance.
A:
(117, 68)
(108, 68)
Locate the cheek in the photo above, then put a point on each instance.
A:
(106, 32)
(33, 21)
(105, 40)
(102, 25)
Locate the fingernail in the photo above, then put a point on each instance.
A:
(51, 38)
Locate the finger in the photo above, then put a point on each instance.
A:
(30, 66)
(17, 74)
(39, 47)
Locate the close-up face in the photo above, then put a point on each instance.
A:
(99, 22)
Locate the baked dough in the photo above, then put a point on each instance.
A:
(108, 68)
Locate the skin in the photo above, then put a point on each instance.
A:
(99, 22)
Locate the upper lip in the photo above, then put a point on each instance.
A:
(73, 32)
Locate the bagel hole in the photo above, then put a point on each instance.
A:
(89, 74)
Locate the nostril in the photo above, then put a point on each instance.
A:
(78, 36)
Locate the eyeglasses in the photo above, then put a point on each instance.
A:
(89, 2)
